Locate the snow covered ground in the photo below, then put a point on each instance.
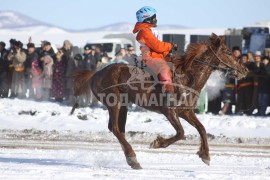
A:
(40, 140)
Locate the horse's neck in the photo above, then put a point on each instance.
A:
(197, 77)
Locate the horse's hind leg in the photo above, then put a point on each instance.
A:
(203, 152)
(118, 120)
(161, 142)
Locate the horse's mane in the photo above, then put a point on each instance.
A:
(194, 51)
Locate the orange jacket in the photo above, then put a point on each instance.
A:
(145, 36)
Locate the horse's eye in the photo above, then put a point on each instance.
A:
(229, 53)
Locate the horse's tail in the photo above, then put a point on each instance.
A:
(81, 84)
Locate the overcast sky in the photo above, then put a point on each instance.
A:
(84, 14)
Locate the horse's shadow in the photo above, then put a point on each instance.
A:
(45, 162)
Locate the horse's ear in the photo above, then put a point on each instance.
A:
(216, 40)
(222, 39)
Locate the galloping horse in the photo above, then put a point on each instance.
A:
(119, 81)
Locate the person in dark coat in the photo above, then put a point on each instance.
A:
(30, 58)
(3, 70)
(70, 68)
(58, 83)
(264, 86)
(247, 90)
(69, 50)
(10, 66)
(89, 60)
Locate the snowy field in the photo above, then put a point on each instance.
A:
(42, 141)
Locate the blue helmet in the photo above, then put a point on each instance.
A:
(144, 13)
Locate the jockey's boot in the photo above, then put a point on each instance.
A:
(169, 100)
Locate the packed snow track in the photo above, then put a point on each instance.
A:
(22, 157)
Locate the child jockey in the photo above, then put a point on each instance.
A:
(153, 49)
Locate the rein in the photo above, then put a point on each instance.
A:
(217, 67)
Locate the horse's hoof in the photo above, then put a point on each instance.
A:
(155, 144)
(206, 161)
(136, 166)
(132, 161)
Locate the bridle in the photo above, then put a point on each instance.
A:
(227, 71)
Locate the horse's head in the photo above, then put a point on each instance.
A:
(223, 59)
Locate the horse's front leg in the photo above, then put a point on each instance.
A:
(203, 152)
(161, 142)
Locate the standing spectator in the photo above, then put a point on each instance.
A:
(47, 50)
(70, 68)
(89, 60)
(41, 49)
(130, 56)
(47, 76)
(58, 84)
(264, 86)
(247, 90)
(3, 70)
(10, 70)
(18, 57)
(69, 50)
(79, 64)
(36, 75)
(31, 57)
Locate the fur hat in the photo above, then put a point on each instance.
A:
(2, 44)
(30, 45)
(19, 44)
(12, 41)
(236, 48)
(67, 42)
(258, 53)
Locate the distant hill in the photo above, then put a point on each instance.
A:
(11, 19)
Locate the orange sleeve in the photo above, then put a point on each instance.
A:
(150, 40)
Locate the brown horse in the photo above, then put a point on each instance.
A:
(118, 84)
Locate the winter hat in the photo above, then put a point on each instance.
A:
(87, 47)
(30, 45)
(2, 44)
(258, 53)
(236, 48)
(12, 41)
(46, 43)
(67, 42)
(19, 44)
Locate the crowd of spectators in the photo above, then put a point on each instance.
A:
(250, 95)
(43, 73)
